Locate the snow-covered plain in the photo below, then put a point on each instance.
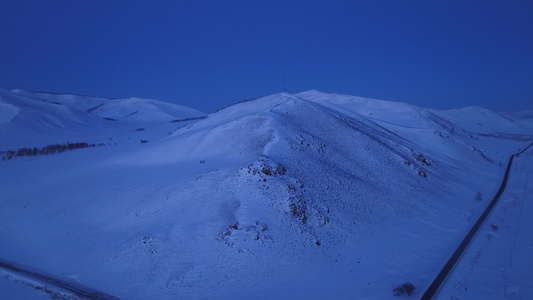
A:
(305, 196)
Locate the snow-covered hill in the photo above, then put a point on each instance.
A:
(36, 119)
(310, 195)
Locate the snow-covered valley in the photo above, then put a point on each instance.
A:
(305, 196)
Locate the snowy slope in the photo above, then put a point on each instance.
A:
(455, 132)
(57, 118)
(288, 196)
(498, 263)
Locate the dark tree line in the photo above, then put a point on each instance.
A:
(49, 149)
(188, 119)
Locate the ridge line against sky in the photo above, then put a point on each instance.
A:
(209, 54)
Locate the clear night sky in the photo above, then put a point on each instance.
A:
(209, 54)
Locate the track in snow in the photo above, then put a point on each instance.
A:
(77, 289)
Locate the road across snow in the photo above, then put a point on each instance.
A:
(76, 289)
(498, 262)
(439, 280)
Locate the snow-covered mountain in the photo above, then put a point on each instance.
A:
(310, 195)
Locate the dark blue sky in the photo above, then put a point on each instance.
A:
(209, 54)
